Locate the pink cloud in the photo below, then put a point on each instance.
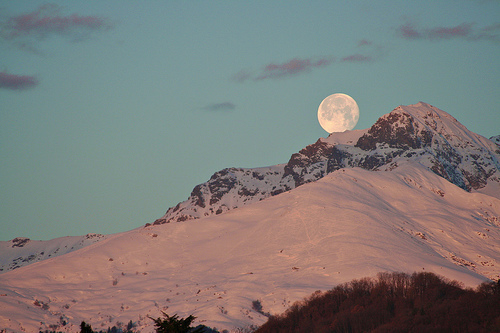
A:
(47, 20)
(293, 67)
(17, 82)
(491, 32)
(408, 32)
(462, 31)
(357, 58)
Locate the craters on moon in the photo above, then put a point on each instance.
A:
(338, 113)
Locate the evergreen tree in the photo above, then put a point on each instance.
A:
(85, 328)
(174, 324)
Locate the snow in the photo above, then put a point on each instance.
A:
(344, 138)
(22, 251)
(350, 224)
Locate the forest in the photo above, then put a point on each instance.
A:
(394, 302)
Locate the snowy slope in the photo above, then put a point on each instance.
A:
(349, 224)
(22, 251)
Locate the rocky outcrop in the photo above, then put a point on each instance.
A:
(417, 133)
(398, 130)
(20, 241)
(436, 139)
(496, 140)
(309, 163)
(228, 189)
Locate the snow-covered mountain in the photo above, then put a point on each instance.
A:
(418, 133)
(22, 251)
(417, 191)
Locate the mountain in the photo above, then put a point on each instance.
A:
(419, 133)
(416, 208)
(22, 251)
(349, 224)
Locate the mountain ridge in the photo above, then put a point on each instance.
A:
(419, 132)
(22, 251)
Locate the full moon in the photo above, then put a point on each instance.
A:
(338, 113)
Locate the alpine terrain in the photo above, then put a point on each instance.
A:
(415, 192)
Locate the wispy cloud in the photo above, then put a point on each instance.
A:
(491, 33)
(224, 106)
(23, 30)
(463, 31)
(17, 82)
(409, 31)
(300, 66)
(357, 58)
(293, 67)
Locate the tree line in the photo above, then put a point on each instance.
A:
(394, 302)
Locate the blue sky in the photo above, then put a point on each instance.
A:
(112, 111)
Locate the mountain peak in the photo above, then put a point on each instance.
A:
(418, 133)
(433, 117)
(411, 126)
(445, 146)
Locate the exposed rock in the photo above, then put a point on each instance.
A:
(496, 140)
(20, 241)
(310, 160)
(396, 130)
(225, 190)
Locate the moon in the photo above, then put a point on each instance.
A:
(338, 113)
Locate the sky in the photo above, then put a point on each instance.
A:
(112, 111)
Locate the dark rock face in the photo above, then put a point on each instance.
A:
(220, 183)
(300, 163)
(496, 140)
(20, 241)
(417, 133)
(407, 134)
(196, 194)
(337, 160)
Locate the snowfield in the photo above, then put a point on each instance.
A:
(350, 224)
